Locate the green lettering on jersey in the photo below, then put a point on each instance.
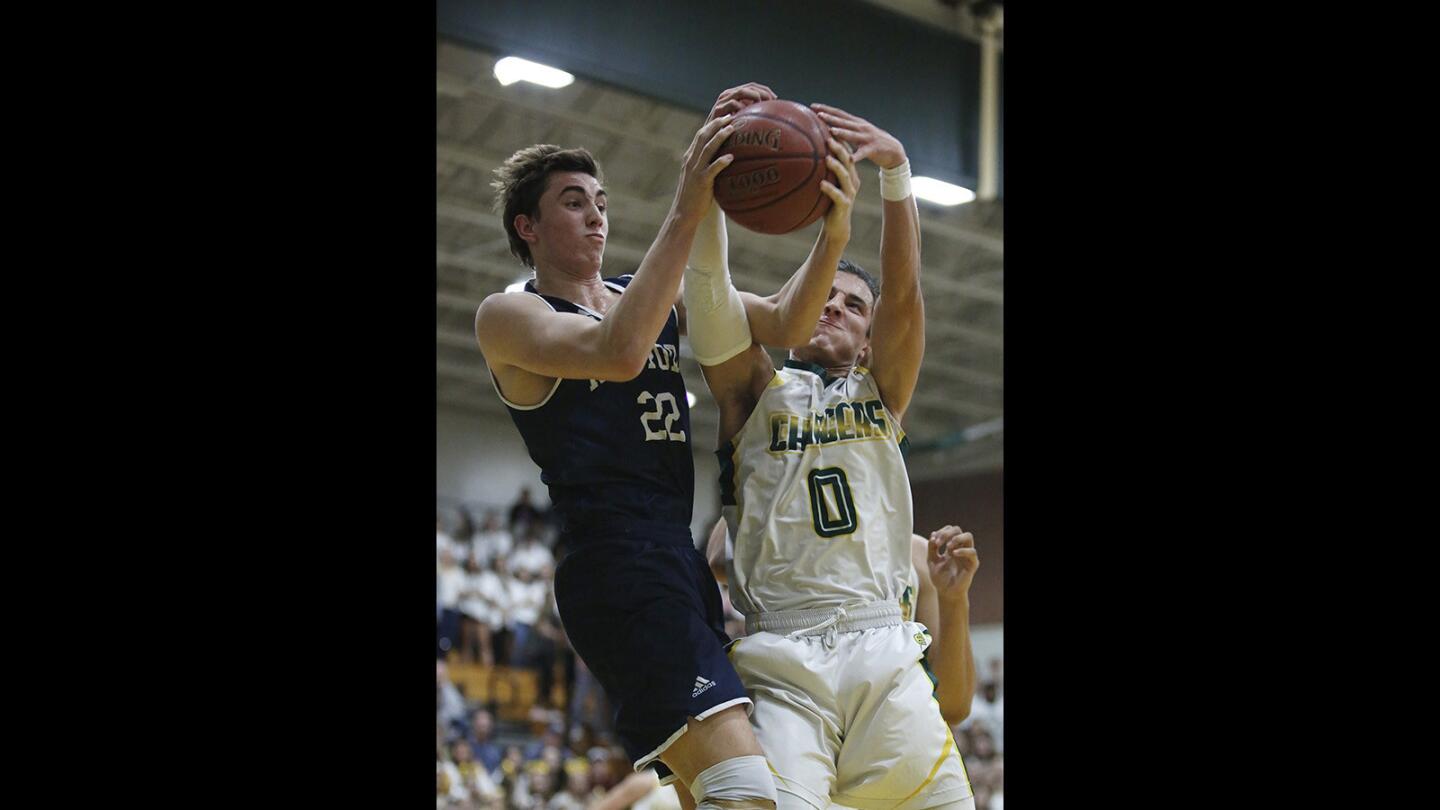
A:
(877, 416)
(826, 431)
(777, 431)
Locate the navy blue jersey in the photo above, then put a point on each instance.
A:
(615, 450)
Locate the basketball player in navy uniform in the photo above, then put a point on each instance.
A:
(587, 367)
(816, 499)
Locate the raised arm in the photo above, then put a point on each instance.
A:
(950, 564)
(523, 332)
(898, 331)
(728, 328)
(787, 318)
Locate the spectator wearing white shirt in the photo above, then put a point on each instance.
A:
(449, 582)
(476, 616)
(443, 540)
(531, 555)
(987, 712)
(493, 540)
(527, 599)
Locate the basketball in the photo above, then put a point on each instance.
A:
(773, 185)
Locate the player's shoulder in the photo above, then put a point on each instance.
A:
(510, 304)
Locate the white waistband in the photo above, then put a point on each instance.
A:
(819, 622)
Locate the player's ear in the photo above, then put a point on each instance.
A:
(864, 359)
(525, 228)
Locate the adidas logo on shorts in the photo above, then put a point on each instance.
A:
(701, 684)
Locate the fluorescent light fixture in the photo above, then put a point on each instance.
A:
(939, 191)
(518, 286)
(512, 69)
(690, 398)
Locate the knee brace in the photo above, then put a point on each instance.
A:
(742, 779)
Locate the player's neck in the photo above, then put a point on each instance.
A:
(832, 369)
(578, 285)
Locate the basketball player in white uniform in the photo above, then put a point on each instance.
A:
(816, 496)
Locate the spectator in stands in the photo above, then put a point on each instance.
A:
(482, 742)
(476, 616)
(984, 766)
(527, 599)
(532, 556)
(588, 704)
(493, 540)
(524, 515)
(449, 704)
(550, 746)
(550, 650)
(603, 777)
(449, 786)
(449, 581)
(478, 784)
(576, 795)
(499, 588)
(987, 712)
(443, 540)
(511, 770)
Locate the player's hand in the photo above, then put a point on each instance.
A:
(738, 98)
(699, 167)
(842, 199)
(869, 141)
(953, 562)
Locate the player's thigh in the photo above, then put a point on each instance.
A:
(899, 751)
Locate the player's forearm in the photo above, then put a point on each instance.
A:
(954, 662)
(630, 328)
(900, 254)
(798, 304)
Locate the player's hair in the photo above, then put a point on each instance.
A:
(847, 266)
(521, 179)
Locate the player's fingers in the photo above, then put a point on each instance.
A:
(704, 133)
(824, 110)
(845, 133)
(725, 108)
(847, 180)
(718, 166)
(720, 129)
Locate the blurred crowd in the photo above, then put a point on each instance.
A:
(495, 607)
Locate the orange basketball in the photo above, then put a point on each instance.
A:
(773, 185)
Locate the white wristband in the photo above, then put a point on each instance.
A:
(895, 183)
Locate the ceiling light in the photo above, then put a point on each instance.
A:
(939, 191)
(513, 69)
(690, 398)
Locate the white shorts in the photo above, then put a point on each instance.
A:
(855, 722)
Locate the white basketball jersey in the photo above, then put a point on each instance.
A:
(816, 497)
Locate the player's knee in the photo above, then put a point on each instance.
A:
(738, 783)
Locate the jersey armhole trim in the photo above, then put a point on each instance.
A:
(495, 381)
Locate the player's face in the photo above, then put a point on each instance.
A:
(571, 226)
(840, 336)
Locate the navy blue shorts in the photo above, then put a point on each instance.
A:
(643, 611)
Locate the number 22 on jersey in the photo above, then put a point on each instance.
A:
(666, 409)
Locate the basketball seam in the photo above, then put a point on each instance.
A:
(774, 200)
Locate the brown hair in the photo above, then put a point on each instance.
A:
(521, 180)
